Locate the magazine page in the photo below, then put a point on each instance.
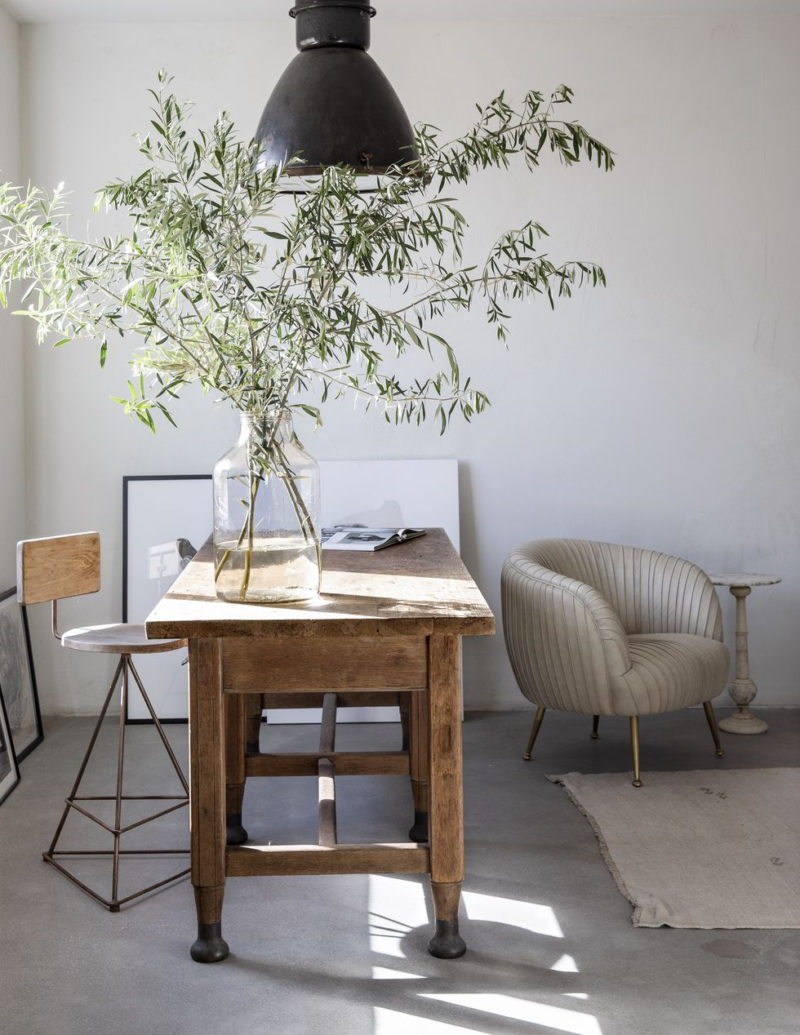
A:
(358, 537)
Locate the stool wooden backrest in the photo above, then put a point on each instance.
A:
(57, 567)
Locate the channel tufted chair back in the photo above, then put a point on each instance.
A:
(602, 629)
(650, 592)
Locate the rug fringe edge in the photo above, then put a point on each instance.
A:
(604, 852)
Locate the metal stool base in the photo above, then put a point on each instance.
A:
(113, 903)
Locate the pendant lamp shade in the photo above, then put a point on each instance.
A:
(333, 105)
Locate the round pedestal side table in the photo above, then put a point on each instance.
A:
(742, 689)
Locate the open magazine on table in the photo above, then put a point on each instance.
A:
(361, 537)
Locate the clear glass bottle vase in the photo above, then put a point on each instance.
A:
(266, 514)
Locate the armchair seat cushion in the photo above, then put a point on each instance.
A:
(669, 671)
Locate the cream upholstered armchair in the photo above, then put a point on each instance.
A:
(600, 629)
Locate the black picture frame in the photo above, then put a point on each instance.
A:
(159, 511)
(18, 678)
(9, 764)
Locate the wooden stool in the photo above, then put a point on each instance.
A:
(67, 566)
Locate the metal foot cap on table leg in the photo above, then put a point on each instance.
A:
(447, 943)
(210, 946)
(235, 833)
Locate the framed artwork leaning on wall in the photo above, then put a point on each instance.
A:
(165, 518)
(17, 680)
(9, 769)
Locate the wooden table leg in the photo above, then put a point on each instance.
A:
(235, 717)
(446, 793)
(207, 796)
(419, 744)
(253, 710)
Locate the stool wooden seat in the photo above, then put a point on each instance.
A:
(118, 638)
(52, 569)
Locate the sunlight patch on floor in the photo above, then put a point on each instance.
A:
(512, 1008)
(389, 900)
(531, 916)
(566, 965)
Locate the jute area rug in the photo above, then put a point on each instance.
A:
(700, 849)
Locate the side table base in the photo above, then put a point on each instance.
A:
(743, 721)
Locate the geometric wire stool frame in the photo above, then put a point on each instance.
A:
(72, 802)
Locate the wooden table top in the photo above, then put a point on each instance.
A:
(417, 588)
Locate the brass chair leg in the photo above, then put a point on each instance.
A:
(635, 745)
(712, 725)
(537, 722)
(595, 725)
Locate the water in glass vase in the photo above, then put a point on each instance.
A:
(266, 512)
(277, 568)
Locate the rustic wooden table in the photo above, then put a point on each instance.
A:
(384, 622)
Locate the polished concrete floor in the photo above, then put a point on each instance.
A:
(551, 945)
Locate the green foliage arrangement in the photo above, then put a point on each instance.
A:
(268, 299)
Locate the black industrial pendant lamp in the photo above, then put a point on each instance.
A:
(333, 105)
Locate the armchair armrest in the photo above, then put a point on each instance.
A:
(564, 640)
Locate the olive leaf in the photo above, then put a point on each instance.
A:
(271, 298)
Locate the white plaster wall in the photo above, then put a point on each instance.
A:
(661, 411)
(12, 453)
